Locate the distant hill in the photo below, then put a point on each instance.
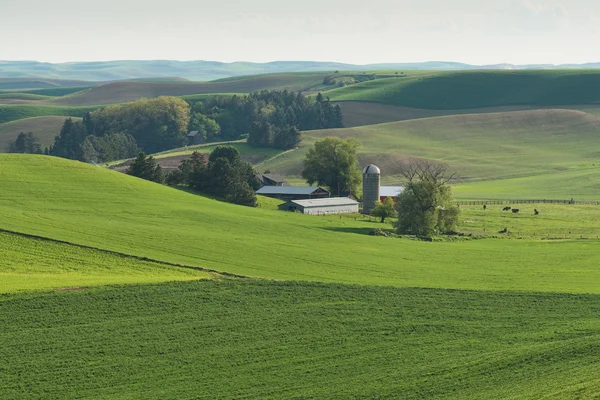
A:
(211, 70)
(476, 89)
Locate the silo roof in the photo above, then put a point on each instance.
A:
(372, 169)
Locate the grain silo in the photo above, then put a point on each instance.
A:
(371, 176)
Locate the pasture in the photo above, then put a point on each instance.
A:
(486, 148)
(223, 339)
(144, 219)
(13, 112)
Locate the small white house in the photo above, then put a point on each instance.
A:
(334, 205)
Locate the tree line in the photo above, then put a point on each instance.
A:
(223, 175)
(266, 119)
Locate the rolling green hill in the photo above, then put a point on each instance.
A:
(35, 264)
(44, 128)
(527, 329)
(477, 89)
(13, 112)
(92, 206)
(480, 147)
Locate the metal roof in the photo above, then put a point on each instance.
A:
(372, 169)
(390, 191)
(274, 177)
(329, 202)
(289, 190)
(193, 133)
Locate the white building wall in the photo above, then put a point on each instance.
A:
(345, 209)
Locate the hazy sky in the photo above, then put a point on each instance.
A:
(471, 31)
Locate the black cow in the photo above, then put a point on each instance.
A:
(506, 208)
(535, 212)
(515, 210)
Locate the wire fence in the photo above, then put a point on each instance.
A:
(538, 201)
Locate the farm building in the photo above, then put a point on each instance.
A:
(272, 180)
(195, 137)
(293, 192)
(389, 191)
(335, 205)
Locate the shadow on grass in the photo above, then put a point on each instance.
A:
(359, 231)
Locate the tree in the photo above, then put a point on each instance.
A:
(332, 162)
(146, 168)
(426, 206)
(68, 143)
(25, 143)
(384, 209)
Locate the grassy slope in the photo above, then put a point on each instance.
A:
(14, 112)
(479, 147)
(29, 263)
(475, 89)
(44, 128)
(129, 91)
(128, 215)
(251, 339)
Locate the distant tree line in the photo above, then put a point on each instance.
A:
(224, 175)
(268, 118)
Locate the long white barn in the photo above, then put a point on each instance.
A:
(335, 205)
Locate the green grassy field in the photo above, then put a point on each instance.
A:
(544, 149)
(13, 112)
(44, 128)
(476, 89)
(54, 198)
(223, 339)
(34, 264)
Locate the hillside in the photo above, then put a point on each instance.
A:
(54, 198)
(477, 89)
(14, 112)
(129, 91)
(479, 147)
(44, 128)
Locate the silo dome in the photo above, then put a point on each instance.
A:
(372, 169)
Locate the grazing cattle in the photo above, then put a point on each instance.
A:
(506, 208)
(515, 210)
(484, 206)
(535, 212)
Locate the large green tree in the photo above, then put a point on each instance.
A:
(333, 162)
(384, 209)
(25, 143)
(146, 168)
(426, 206)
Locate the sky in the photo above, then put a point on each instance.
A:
(376, 31)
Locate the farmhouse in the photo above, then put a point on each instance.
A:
(293, 192)
(272, 180)
(335, 205)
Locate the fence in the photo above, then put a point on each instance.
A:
(509, 202)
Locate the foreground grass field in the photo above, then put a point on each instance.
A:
(34, 264)
(93, 206)
(223, 339)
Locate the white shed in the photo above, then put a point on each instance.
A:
(335, 205)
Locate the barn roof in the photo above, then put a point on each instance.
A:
(329, 202)
(289, 190)
(193, 133)
(390, 191)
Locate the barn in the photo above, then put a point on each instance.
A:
(293, 192)
(335, 205)
(389, 191)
